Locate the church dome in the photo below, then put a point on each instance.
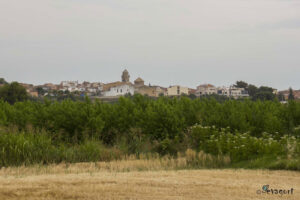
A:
(139, 82)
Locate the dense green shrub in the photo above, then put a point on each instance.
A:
(13, 92)
(78, 131)
(242, 146)
(159, 119)
(22, 148)
(28, 148)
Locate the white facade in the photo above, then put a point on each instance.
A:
(73, 86)
(237, 92)
(223, 91)
(231, 91)
(72, 89)
(206, 89)
(92, 90)
(119, 90)
(81, 89)
(177, 90)
(69, 83)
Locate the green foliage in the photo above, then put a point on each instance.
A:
(3, 81)
(74, 121)
(168, 146)
(18, 149)
(241, 84)
(242, 146)
(28, 148)
(80, 131)
(281, 97)
(13, 92)
(252, 90)
(40, 91)
(261, 93)
(161, 120)
(291, 94)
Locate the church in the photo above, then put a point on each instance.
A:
(123, 87)
(119, 88)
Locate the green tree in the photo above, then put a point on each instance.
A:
(264, 93)
(281, 97)
(192, 96)
(241, 84)
(252, 90)
(2, 81)
(13, 92)
(291, 94)
(40, 91)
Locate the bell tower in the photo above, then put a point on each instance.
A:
(125, 76)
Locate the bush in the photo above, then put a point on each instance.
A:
(241, 146)
(27, 148)
(24, 148)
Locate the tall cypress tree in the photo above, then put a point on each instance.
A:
(291, 94)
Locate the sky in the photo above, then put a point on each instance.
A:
(165, 42)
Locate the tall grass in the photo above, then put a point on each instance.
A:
(204, 147)
(37, 148)
(23, 148)
(29, 148)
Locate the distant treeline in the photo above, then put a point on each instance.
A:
(158, 119)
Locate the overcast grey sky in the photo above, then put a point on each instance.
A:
(166, 42)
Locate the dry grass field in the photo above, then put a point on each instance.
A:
(141, 179)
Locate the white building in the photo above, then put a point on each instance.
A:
(238, 92)
(223, 91)
(206, 89)
(69, 83)
(119, 90)
(72, 89)
(81, 89)
(177, 90)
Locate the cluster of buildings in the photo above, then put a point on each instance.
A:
(231, 91)
(85, 87)
(138, 86)
(124, 86)
(91, 89)
(286, 94)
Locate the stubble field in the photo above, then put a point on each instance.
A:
(133, 180)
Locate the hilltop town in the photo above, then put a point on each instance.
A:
(125, 87)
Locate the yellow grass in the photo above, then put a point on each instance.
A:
(147, 162)
(141, 179)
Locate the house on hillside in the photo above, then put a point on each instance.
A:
(238, 92)
(224, 91)
(177, 90)
(286, 93)
(206, 89)
(192, 91)
(49, 86)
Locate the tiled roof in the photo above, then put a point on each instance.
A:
(114, 84)
(139, 80)
(206, 85)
